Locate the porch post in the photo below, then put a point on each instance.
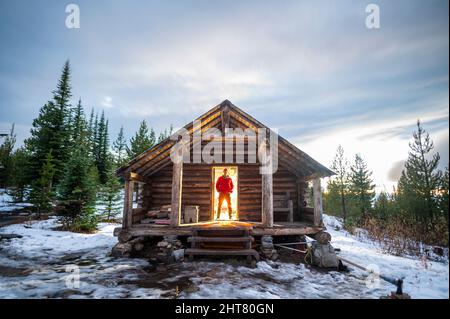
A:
(267, 187)
(318, 208)
(177, 182)
(127, 221)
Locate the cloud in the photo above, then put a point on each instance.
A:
(107, 102)
(441, 143)
(396, 171)
(311, 69)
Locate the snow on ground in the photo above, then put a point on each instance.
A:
(7, 204)
(35, 266)
(422, 278)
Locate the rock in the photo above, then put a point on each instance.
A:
(438, 250)
(170, 238)
(121, 250)
(161, 267)
(138, 246)
(266, 239)
(324, 255)
(9, 236)
(162, 244)
(178, 254)
(323, 237)
(124, 236)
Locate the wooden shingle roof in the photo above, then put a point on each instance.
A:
(224, 115)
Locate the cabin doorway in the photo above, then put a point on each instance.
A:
(217, 171)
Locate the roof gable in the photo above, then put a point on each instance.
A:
(225, 115)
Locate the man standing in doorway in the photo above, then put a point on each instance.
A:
(224, 187)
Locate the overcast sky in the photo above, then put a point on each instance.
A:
(309, 68)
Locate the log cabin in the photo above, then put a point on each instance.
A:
(166, 197)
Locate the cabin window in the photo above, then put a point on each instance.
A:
(233, 174)
(138, 198)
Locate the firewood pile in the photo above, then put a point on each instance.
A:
(158, 217)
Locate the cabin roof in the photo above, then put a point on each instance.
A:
(289, 156)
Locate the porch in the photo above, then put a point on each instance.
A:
(256, 229)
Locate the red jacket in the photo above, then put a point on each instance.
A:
(224, 185)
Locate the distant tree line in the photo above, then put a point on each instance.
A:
(417, 209)
(67, 165)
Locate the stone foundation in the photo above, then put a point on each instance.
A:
(268, 250)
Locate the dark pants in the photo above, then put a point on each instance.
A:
(224, 197)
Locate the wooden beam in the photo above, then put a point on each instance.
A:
(267, 187)
(285, 231)
(135, 177)
(127, 221)
(225, 118)
(177, 184)
(151, 166)
(318, 208)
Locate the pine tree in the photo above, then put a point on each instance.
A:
(6, 158)
(101, 148)
(109, 197)
(77, 190)
(340, 167)
(381, 206)
(444, 191)
(165, 134)
(91, 131)
(51, 129)
(143, 140)
(18, 177)
(42, 193)
(79, 124)
(361, 185)
(120, 149)
(420, 180)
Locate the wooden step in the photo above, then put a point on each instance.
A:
(222, 252)
(223, 232)
(215, 228)
(201, 239)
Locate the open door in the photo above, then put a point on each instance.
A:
(233, 174)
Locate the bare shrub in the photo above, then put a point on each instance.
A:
(400, 235)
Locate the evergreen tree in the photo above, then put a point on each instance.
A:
(101, 148)
(143, 140)
(6, 158)
(77, 190)
(420, 180)
(120, 149)
(444, 190)
(91, 131)
(18, 177)
(361, 185)
(110, 197)
(51, 129)
(340, 181)
(79, 123)
(331, 198)
(42, 194)
(165, 134)
(381, 206)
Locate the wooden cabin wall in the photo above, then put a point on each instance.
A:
(159, 189)
(197, 189)
(249, 196)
